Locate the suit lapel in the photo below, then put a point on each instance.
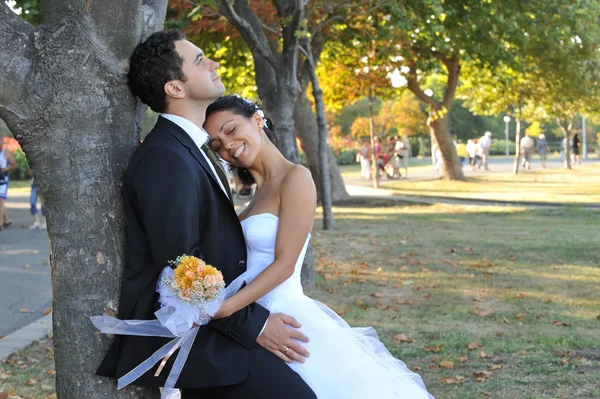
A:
(185, 139)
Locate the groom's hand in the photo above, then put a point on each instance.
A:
(279, 339)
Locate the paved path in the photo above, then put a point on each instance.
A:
(497, 165)
(24, 268)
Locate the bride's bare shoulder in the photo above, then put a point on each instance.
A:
(298, 177)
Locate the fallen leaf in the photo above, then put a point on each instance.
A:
(505, 320)
(476, 299)
(417, 368)
(463, 359)
(481, 376)
(559, 323)
(486, 313)
(521, 316)
(31, 381)
(447, 364)
(522, 352)
(434, 348)
(25, 310)
(51, 372)
(497, 367)
(48, 311)
(484, 355)
(486, 394)
(377, 294)
(512, 257)
(474, 345)
(542, 315)
(499, 334)
(457, 379)
(428, 296)
(400, 338)
(564, 361)
(415, 262)
(522, 295)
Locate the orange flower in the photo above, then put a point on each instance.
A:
(190, 263)
(219, 278)
(180, 272)
(210, 271)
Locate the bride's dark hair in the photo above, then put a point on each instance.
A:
(241, 106)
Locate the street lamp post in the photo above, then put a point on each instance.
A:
(506, 121)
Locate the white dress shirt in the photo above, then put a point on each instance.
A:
(199, 137)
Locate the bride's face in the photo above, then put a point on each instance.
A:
(236, 138)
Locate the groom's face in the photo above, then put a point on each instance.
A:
(203, 82)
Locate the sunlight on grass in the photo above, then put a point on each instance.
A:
(580, 185)
(523, 283)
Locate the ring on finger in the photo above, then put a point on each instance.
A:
(285, 351)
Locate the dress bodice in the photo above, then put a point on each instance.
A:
(260, 232)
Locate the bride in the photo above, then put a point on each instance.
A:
(344, 362)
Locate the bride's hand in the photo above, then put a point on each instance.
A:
(223, 311)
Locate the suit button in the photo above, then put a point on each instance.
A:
(242, 264)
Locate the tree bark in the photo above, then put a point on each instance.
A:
(323, 148)
(372, 137)
(517, 142)
(306, 126)
(438, 118)
(452, 170)
(74, 117)
(421, 146)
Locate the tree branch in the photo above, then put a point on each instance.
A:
(105, 21)
(255, 38)
(16, 63)
(453, 66)
(413, 85)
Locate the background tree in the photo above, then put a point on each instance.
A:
(63, 96)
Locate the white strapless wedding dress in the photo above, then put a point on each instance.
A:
(344, 362)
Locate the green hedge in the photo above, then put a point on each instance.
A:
(22, 171)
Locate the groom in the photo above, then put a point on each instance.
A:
(177, 201)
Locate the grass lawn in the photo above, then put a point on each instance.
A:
(580, 185)
(495, 302)
(508, 294)
(19, 186)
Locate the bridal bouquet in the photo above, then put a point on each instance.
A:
(190, 294)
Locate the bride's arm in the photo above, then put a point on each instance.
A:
(296, 218)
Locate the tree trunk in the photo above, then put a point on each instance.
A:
(306, 126)
(517, 143)
(372, 137)
(323, 147)
(78, 124)
(452, 170)
(307, 275)
(421, 146)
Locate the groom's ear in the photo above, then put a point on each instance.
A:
(173, 89)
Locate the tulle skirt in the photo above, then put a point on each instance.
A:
(346, 362)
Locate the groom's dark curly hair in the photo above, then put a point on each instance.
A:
(154, 63)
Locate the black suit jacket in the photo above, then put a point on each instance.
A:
(174, 206)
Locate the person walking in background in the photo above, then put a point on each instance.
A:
(364, 157)
(527, 150)
(7, 163)
(576, 150)
(543, 149)
(485, 142)
(471, 148)
(393, 164)
(461, 152)
(403, 150)
(39, 221)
